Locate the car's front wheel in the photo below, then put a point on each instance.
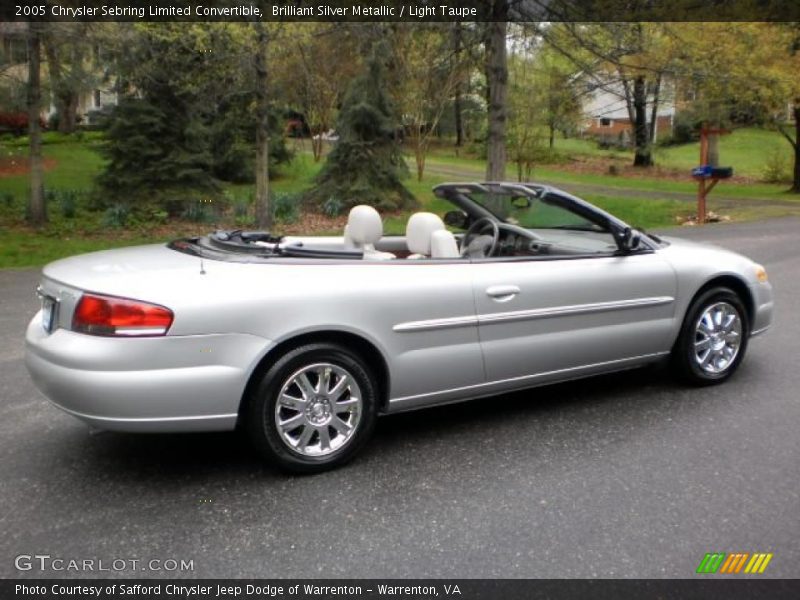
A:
(313, 409)
(713, 338)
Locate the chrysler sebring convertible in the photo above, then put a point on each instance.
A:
(304, 341)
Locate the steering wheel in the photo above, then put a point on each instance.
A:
(476, 243)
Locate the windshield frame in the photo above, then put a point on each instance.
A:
(460, 194)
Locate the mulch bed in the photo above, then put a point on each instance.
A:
(19, 165)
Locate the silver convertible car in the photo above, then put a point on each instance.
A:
(305, 341)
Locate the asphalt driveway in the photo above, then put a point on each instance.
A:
(629, 475)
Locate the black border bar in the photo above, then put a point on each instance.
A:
(414, 11)
(700, 588)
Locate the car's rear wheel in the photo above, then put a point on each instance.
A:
(713, 338)
(313, 409)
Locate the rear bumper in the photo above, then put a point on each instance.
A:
(170, 383)
(763, 306)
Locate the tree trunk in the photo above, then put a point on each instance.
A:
(459, 125)
(420, 159)
(497, 88)
(67, 109)
(654, 110)
(263, 213)
(37, 211)
(65, 99)
(457, 109)
(316, 144)
(796, 178)
(552, 138)
(642, 156)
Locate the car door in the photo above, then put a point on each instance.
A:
(423, 313)
(555, 318)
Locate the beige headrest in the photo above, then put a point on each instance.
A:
(418, 232)
(364, 225)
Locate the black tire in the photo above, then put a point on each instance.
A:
(260, 410)
(683, 353)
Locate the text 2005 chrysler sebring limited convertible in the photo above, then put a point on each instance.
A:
(304, 341)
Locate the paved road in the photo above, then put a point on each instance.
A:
(629, 475)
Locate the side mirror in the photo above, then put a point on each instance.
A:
(456, 218)
(628, 239)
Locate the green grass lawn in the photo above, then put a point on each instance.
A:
(20, 249)
(552, 173)
(747, 150)
(77, 164)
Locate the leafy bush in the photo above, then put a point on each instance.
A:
(685, 130)
(7, 199)
(332, 207)
(68, 201)
(116, 216)
(239, 203)
(199, 212)
(50, 138)
(285, 207)
(158, 216)
(776, 168)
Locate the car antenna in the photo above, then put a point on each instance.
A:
(202, 268)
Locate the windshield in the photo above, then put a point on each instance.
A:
(531, 212)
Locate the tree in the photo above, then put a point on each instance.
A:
(784, 70)
(524, 115)
(193, 101)
(366, 165)
(745, 69)
(429, 78)
(625, 59)
(69, 48)
(37, 210)
(262, 210)
(496, 71)
(555, 84)
(313, 75)
(158, 139)
(458, 117)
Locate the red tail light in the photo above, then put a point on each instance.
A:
(106, 315)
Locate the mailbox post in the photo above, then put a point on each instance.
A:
(707, 175)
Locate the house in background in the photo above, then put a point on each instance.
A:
(606, 117)
(14, 76)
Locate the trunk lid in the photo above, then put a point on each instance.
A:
(152, 273)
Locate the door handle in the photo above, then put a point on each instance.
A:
(502, 293)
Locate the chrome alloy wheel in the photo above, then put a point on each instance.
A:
(318, 409)
(717, 337)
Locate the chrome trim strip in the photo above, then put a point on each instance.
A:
(436, 324)
(575, 309)
(759, 331)
(521, 378)
(536, 313)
